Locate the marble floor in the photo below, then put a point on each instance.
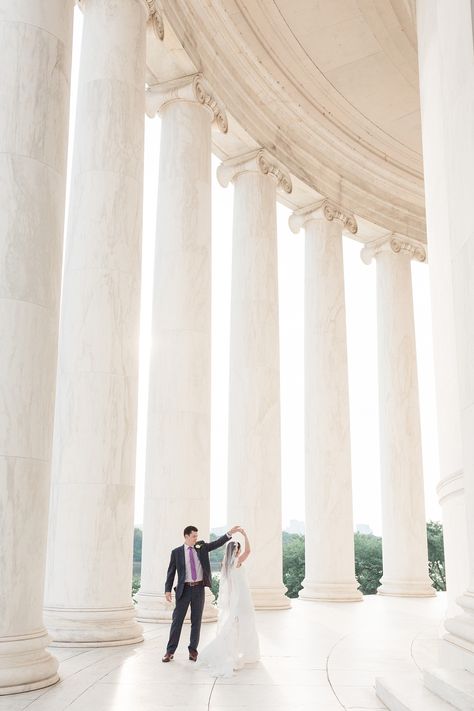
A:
(316, 656)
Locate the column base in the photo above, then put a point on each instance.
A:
(405, 588)
(330, 592)
(155, 608)
(76, 627)
(270, 598)
(458, 652)
(25, 665)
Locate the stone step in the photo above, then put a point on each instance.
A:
(455, 686)
(406, 692)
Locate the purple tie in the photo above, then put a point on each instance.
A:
(193, 564)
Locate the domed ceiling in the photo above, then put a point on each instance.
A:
(330, 87)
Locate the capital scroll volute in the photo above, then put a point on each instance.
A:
(205, 96)
(323, 210)
(192, 88)
(394, 244)
(260, 161)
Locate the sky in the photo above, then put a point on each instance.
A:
(362, 352)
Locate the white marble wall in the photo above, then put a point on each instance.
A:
(177, 488)
(88, 593)
(254, 474)
(447, 100)
(35, 56)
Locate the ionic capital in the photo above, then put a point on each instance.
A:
(394, 244)
(193, 88)
(322, 210)
(255, 162)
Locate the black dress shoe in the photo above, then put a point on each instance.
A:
(193, 655)
(167, 657)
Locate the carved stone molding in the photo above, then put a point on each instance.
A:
(192, 88)
(255, 162)
(204, 95)
(396, 245)
(323, 210)
(155, 18)
(449, 486)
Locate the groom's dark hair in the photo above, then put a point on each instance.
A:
(188, 530)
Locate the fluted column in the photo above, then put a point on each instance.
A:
(254, 475)
(35, 56)
(447, 108)
(404, 542)
(88, 592)
(177, 489)
(329, 547)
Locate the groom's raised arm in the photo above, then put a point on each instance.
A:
(222, 540)
(212, 545)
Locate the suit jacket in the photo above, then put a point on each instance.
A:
(178, 565)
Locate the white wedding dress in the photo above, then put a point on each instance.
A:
(236, 642)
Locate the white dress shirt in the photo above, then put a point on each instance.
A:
(199, 573)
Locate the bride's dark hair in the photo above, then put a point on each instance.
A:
(231, 552)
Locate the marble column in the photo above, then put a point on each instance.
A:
(88, 591)
(404, 542)
(177, 488)
(451, 486)
(35, 55)
(329, 549)
(447, 107)
(254, 475)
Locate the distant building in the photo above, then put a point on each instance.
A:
(295, 527)
(219, 531)
(364, 528)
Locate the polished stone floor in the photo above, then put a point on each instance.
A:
(315, 657)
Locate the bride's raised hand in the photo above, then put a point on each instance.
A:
(243, 556)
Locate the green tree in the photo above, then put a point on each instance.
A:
(215, 586)
(135, 586)
(137, 545)
(216, 556)
(368, 562)
(293, 562)
(434, 531)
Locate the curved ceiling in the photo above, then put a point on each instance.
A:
(330, 87)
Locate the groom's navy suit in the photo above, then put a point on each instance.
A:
(189, 594)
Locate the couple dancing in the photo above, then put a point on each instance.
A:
(236, 642)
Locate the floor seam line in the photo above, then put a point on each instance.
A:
(210, 694)
(327, 670)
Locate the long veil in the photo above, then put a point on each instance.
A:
(224, 602)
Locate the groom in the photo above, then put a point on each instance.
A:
(191, 562)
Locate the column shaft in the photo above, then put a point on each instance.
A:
(451, 486)
(254, 485)
(177, 486)
(405, 557)
(88, 594)
(35, 56)
(447, 93)
(329, 557)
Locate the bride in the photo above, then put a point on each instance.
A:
(236, 642)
